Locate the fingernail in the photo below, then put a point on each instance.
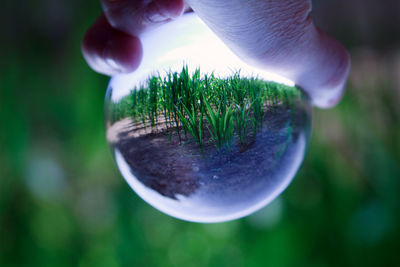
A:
(153, 13)
(109, 58)
(113, 65)
(156, 18)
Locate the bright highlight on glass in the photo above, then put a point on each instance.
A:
(199, 134)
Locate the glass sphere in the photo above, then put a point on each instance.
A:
(198, 133)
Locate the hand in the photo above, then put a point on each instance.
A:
(277, 35)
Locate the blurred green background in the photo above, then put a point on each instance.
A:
(64, 203)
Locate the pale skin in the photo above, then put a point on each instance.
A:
(276, 35)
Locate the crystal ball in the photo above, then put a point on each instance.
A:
(198, 133)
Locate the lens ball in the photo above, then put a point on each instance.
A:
(198, 133)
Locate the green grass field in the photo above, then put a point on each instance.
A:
(64, 203)
(191, 103)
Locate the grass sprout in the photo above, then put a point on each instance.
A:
(221, 126)
(187, 102)
(193, 124)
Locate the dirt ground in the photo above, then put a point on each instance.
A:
(164, 163)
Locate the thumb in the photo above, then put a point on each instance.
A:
(279, 36)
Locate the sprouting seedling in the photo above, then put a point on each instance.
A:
(221, 125)
(188, 102)
(152, 106)
(193, 124)
(241, 117)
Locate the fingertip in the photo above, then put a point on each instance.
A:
(328, 97)
(160, 11)
(109, 51)
(175, 7)
(331, 90)
(326, 70)
(123, 52)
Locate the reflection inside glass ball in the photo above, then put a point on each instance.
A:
(205, 138)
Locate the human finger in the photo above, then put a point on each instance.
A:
(110, 51)
(135, 16)
(112, 44)
(279, 36)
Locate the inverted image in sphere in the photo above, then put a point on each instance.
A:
(199, 134)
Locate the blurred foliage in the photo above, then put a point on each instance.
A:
(63, 202)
